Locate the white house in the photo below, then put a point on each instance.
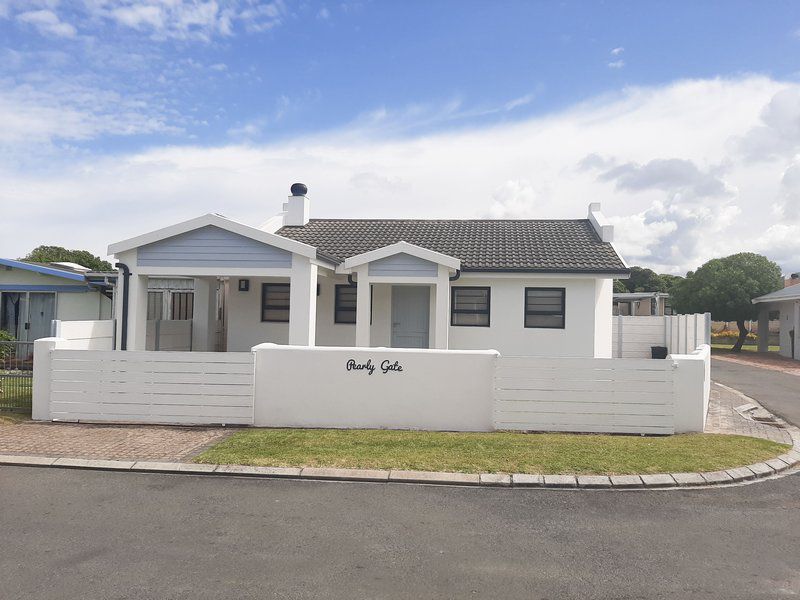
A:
(786, 303)
(33, 294)
(522, 287)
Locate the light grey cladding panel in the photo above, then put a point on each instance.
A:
(212, 246)
(403, 265)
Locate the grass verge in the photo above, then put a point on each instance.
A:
(503, 452)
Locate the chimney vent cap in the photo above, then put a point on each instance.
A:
(299, 189)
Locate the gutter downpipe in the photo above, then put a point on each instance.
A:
(126, 275)
(456, 276)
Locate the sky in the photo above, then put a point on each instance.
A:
(682, 118)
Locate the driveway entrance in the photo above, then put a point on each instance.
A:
(778, 392)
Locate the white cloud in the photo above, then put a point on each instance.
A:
(47, 23)
(190, 20)
(661, 160)
(324, 14)
(616, 64)
(617, 51)
(41, 112)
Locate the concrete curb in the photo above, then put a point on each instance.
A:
(738, 475)
(761, 470)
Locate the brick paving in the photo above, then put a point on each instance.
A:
(112, 442)
(723, 418)
(160, 443)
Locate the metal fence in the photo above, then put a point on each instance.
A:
(16, 376)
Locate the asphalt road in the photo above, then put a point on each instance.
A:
(778, 392)
(84, 534)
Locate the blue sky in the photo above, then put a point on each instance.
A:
(157, 91)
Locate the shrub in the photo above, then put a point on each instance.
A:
(728, 333)
(6, 350)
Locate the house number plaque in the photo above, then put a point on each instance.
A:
(386, 366)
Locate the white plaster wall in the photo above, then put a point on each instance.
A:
(588, 329)
(507, 333)
(81, 306)
(603, 318)
(298, 386)
(245, 328)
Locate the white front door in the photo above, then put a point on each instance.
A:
(411, 305)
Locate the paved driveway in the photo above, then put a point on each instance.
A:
(84, 534)
(778, 392)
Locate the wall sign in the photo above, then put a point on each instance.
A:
(244, 285)
(386, 366)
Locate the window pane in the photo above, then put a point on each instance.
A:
(182, 306)
(545, 307)
(470, 307)
(544, 321)
(475, 319)
(155, 306)
(466, 299)
(275, 302)
(276, 314)
(345, 304)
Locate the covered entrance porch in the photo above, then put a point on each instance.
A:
(405, 290)
(785, 306)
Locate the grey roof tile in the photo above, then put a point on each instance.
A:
(481, 245)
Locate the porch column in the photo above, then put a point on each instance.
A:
(441, 327)
(362, 307)
(763, 328)
(137, 312)
(302, 302)
(796, 327)
(204, 314)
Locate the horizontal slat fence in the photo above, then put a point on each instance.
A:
(152, 387)
(633, 336)
(584, 394)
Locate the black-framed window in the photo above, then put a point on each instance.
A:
(469, 306)
(275, 302)
(345, 304)
(545, 307)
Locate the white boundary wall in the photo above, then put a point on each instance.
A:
(85, 335)
(297, 386)
(633, 336)
(603, 395)
(145, 387)
(585, 394)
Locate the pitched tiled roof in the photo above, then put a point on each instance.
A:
(481, 245)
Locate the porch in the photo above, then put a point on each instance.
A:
(251, 287)
(783, 305)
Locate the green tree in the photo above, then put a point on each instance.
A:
(619, 286)
(58, 254)
(725, 287)
(643, 279)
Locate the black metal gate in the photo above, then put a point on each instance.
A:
(16, 376)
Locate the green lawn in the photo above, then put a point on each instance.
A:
(504, 452)
(744, 348)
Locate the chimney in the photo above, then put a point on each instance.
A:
(298, 206)
(601, 225)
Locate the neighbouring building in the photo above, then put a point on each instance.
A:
(642, 304)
